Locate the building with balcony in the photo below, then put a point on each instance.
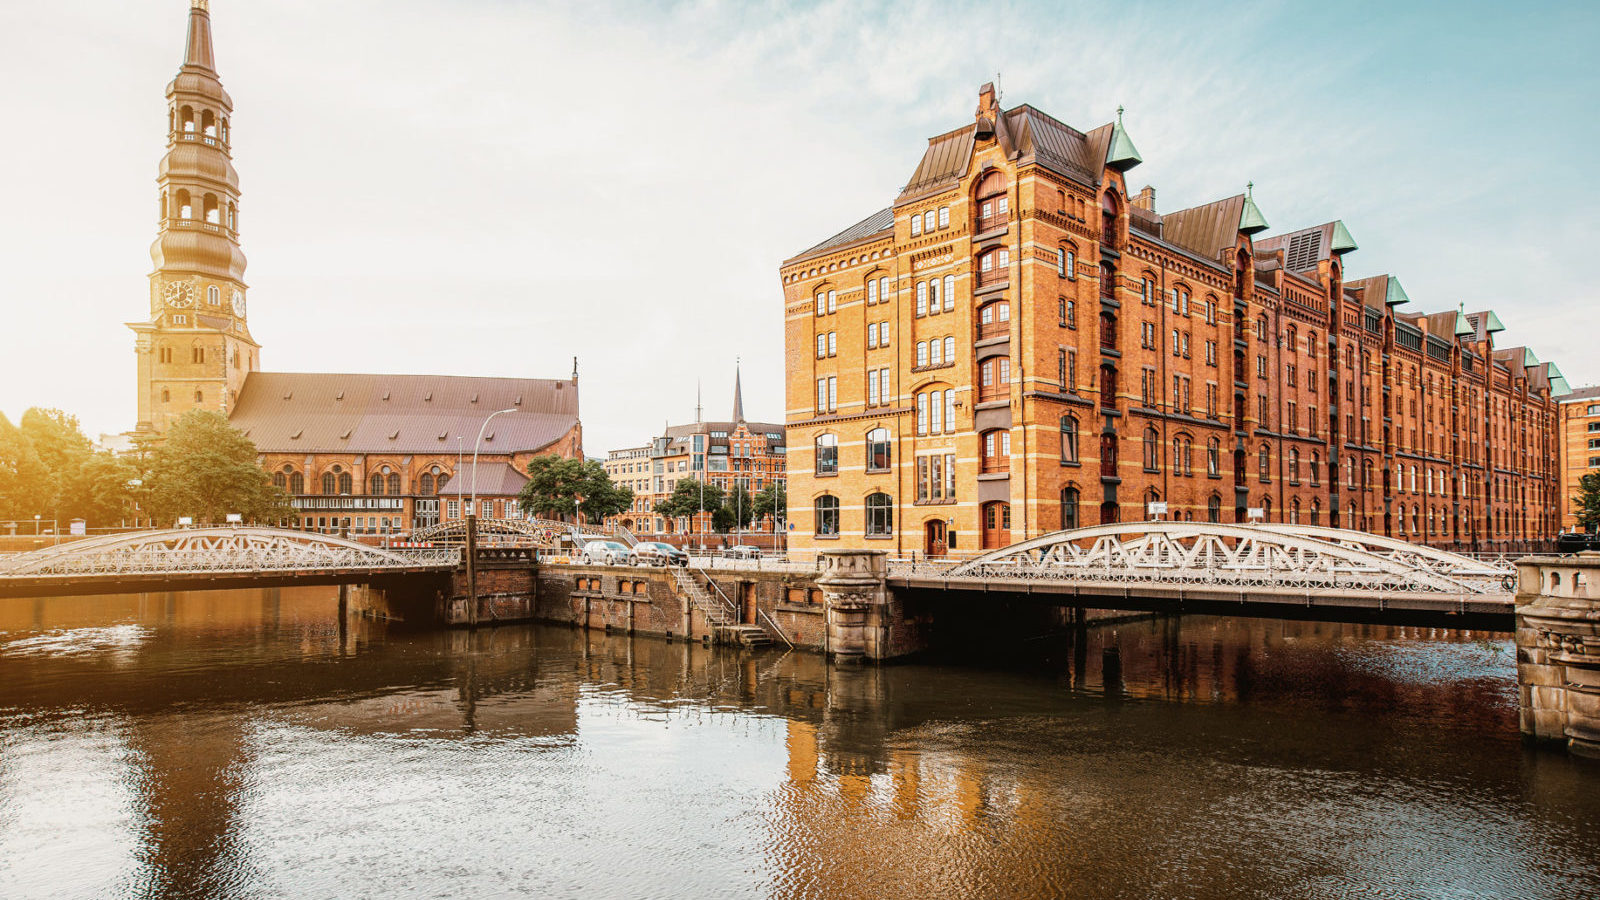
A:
(1022, 343)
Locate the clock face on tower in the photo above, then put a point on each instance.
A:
(179, 294)
(238, 302)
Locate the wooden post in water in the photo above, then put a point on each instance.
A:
(472, 569)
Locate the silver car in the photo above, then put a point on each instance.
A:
(607, 553)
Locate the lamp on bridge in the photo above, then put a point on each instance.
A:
(472, 523)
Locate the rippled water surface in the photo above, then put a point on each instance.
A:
(240, 744)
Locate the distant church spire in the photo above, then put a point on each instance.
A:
(197, 52)
(738, 395)
(194, 349)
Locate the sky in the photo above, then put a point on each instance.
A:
(493, 187)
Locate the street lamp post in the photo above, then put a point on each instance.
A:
(472, 524)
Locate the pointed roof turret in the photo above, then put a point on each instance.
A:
(197, 51)
(1251, 221)
(1121, 154)
(1394, 294)
(738, 395)
(1342, 242)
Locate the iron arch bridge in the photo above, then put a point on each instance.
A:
(1278, 556)
(1213, 567)
(208, 554)
(525, 532)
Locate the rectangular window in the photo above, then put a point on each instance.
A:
(1061, 367)
(922, 298)
(922, 353)
(872, 389)
(872, 335)
(1186, 345)
(883, 385)
(1211, 353)
(833, 297)
(949, 293)
(1174, 342)
(883, 334)
(1289, 371)
(1261, 367)
(928, 219)
(950, 350)
(922, 413)
(833, 393)
(916, 224)
(1072, 371)
(1072, 314)
(935, 352)
(872, 292)
(944, 217)
(1593, 410)
(922, 477)
(1261, 411)
(1061, 262)
(950, 410)
(936, 412)
(822, 395)
(833, 343)
(822, 344)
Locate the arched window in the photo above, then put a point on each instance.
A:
(1214, 508)
(994, 319)
(1266, 462)
(346, 483)
(330, 483)
(1152, 451)
(233, 217)
(1069, 508)
(993, 205)
(186, 118)
(826, 516)
(1068, 257)
(1294, 511)
(279, 480)
(375, 484)
(996, 444)
(394, 482)
(208, 123)
(185, 205)
(1316, 511)
(1266, 509)
(1294, 466)
(1109, 207)
(297, 483)
(878, 453)
(880, 514)
(949, 293)
(1311, 345)
(1069, 439)
(425, 484)
(440, 479)
(827, 447)
(214, 295)
(199, 397)
(211, 210)
(1291, 339)
(994, 267)
(1213, 458)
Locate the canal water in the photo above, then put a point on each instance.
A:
(242, 745)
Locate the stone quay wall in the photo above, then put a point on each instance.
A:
(1558, 650)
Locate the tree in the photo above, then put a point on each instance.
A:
(1587, 502)
(558, 486)
(24, 479)
(685, 500)
(737, 508)
(82, 483)
(206, 468)
(772, 502)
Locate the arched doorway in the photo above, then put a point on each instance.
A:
(996, 524)
(935, 538)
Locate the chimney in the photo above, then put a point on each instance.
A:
(1146, 199)
(988, 111)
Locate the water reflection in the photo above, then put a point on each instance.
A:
(243, 744)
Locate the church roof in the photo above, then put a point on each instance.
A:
(495, 479)
(315, 412)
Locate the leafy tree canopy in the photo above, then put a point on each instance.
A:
(559, 487)
(24, 480)
(1586, 505)
(772, 502)
(206, 468)
(686, 499)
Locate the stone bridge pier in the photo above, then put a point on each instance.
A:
(1558, 650)
(865, 620)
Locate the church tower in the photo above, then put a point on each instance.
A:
(195, 349)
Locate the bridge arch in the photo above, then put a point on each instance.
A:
(1296, 557)
(236, 549)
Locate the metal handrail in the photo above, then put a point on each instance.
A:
(770, 621)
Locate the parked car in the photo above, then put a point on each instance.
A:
(657, 553)
(1577, 542)
(607, 553)
(741, 551)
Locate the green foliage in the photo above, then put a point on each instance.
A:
(1587, 503)
(738, 510)
(559, 487)
(772, 502)
(24, 480)
(686, 499)
(206, 468)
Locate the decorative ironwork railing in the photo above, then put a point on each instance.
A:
(217, 550)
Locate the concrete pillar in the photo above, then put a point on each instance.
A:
(856, 599)
(1558, 650)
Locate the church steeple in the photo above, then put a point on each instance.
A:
(195, 349)
(738, 396)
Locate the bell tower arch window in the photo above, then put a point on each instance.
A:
(994, 207)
